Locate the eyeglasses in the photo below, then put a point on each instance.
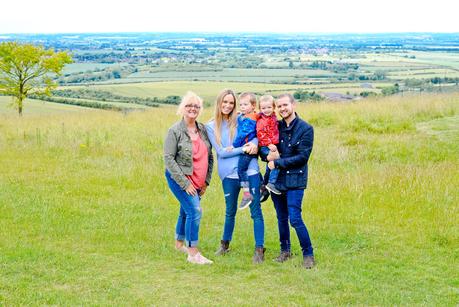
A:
(189, 106)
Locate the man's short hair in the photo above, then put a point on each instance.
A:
(290, 97)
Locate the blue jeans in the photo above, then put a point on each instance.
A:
(187, 227)
(271, 174)
(288, 206)
(231, 190)
(242, 167)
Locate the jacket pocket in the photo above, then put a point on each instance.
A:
(295, 178)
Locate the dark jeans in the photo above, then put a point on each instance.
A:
(189, 218)
(288, 206)
(242, 167)
(270, 175)
(231, 190)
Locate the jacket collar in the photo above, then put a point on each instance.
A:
(292, 123)
(185, 128)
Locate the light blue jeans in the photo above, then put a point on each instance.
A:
(187, 228)
(231, 188)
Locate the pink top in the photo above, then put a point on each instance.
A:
(200, 163)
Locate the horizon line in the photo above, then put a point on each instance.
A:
(231, 32)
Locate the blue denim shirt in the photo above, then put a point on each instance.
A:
(227, 160)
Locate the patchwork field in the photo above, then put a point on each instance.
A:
(208, 90)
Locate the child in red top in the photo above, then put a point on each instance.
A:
(268, 137)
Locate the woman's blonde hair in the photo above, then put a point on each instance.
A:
(190, 97)
(218, 117)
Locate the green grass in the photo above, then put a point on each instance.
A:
(235, 75)
(37, 107)
(109, 102)
(423, 73)
(444, 59)
(207, 89)
(87, 67)
(86, 217)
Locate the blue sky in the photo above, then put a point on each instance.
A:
(53, 16)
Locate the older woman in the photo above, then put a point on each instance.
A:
(188, 160)
(222, 130)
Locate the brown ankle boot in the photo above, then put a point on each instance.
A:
(259, 255)
(283, 256)
(309, 262)
(224, 248)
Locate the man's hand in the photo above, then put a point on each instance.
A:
(272, 147)
(203, 190)
(271, 165)
(273, 155)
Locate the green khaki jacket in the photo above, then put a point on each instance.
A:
(178, 151)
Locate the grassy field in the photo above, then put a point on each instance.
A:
(208, 89)
(445, 59)
(37, 107)
(424, 73)
(399, 65)
(205, 89)
(235, 75)
(111, 103)
(87, 67)
(87, 219)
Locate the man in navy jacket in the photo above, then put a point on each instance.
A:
(296, 138)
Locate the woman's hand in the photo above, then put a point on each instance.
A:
(271, 165)
(272, 147)
(190, 190)
(203, 190)
(251, 148)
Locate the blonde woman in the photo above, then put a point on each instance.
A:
(222, 131)
(188, 159)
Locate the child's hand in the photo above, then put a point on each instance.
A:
(229, 148)
(272, 147)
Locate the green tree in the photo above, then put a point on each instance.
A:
(390, 90)
(26, 69)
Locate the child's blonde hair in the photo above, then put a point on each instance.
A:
(252, 98)
(266, 98)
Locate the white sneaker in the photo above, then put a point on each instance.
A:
(198, 259)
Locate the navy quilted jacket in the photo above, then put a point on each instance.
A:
(295, 146)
